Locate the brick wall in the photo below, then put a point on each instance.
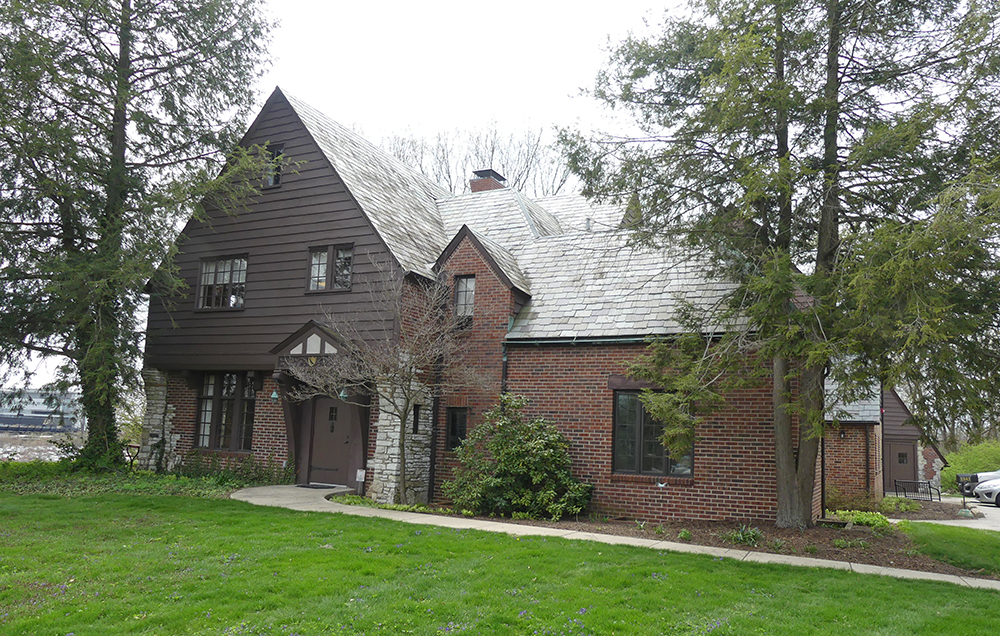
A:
(483, 351)
(850, 451)
(172, 407)
(734, 451)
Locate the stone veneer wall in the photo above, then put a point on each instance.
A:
(159, 441)
(930, 466)
(383, 461)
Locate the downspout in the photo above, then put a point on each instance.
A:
(434, 435)
(822, 477)
(503, 368)
(868, 460)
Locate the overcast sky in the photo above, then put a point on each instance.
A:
(439, 65)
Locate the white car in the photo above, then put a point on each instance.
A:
(968, 482)
(987, 491)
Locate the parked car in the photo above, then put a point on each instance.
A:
(967, 482)
(987, 492)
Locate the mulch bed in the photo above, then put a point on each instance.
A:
(893, 549)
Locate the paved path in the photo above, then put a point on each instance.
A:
(314, 500)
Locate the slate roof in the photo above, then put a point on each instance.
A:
(399, 201)
(588, 285)
(505, 261)
(573, 211)
(566, 252)
(868, 409)
(506, 215)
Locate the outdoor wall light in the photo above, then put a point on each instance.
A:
(343, 395)
(843, 434)
(275, 397)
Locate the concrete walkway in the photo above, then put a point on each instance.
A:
(314, 500)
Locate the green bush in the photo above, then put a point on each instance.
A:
(970, 459)
(511, 466)
(863, 518)
(898, 504)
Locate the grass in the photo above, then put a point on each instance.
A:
(157, 564)
(963, 547)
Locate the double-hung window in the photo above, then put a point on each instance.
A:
(637, 446)
(223, 283)
(226, 412)
(330, 268)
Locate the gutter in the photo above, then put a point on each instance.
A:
(562, 342)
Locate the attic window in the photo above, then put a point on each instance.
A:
(323, 277)
(272, 178)
(222, 284)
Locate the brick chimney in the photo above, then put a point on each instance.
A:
(487, 180)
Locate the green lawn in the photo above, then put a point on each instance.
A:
(963, 547)
(152, 564)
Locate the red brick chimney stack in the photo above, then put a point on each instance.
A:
(487, 180)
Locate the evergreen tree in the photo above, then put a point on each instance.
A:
(836, 160)
(113, 114)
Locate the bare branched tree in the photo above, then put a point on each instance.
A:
(530, 161)
(412, 351)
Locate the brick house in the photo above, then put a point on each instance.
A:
(559, 304)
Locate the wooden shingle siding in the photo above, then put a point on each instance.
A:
(312, 207)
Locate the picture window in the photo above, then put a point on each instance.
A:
(637, 445)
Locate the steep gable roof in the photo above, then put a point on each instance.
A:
(398, 201)
(505, 215)
(498, 257)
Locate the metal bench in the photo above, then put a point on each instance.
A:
(921, 490)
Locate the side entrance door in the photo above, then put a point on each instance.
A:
(336, 448)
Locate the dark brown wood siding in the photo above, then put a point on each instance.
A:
(310, 208)
(894, 417)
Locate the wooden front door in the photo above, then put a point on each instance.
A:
(336, 451)
(900, 462)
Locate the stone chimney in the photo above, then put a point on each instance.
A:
(487, 180)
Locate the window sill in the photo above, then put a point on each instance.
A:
(222, 453)
(651, 479)
(332, 290)
(210, 310)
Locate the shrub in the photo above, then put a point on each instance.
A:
(509, 465)
(898, 504)
(863, 518)
(970, 459)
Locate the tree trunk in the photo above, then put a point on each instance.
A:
(97, 340)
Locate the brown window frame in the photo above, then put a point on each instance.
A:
(456, 431)
(214, 430)
(225, 289)
(465, 299)
(644, 422)
(332, 282)
(273, 177)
